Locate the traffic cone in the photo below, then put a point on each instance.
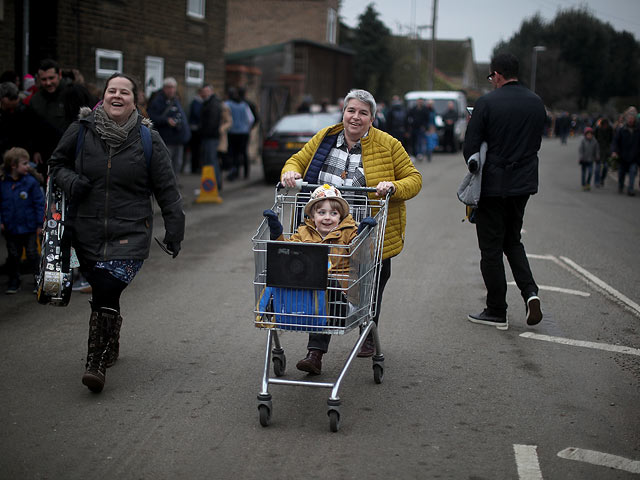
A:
(208, 186)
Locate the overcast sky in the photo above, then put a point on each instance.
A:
(486, 21)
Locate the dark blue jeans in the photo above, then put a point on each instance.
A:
(600, 172)
(498, 226)
(586, 171)
(624, 169)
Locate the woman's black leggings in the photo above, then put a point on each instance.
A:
(105, 288)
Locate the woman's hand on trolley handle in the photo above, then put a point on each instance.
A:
(385, 187)
(289, 179)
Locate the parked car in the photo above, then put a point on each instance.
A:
(288, 136)
(441, 99)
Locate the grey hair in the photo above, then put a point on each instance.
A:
(169, 82)
(364, 97)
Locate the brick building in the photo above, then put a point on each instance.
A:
(149, 39)
(257, 23)
(287, 50)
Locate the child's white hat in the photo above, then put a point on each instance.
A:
(327, 192)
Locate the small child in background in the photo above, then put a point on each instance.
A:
(329, 222)
(588, 152)
(21, 213)
(431, 138)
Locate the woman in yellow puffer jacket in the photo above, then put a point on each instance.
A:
(354, 153)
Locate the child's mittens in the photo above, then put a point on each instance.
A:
(274, 224)
(366, 222)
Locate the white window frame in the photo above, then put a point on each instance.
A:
(110, 54)
(190, 80)
(195, 8)
(332, 25)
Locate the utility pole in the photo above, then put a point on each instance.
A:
(432, 50)
(534, 61)
(433, 45)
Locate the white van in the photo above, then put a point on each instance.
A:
(441, 99)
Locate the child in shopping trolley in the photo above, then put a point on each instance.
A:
(328, 222)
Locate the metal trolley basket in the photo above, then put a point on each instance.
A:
(317, 288)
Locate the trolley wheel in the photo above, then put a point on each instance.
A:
(378, 373)
(279, 365)
(334, 420)
(265, 415)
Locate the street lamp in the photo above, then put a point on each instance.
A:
(536, 49)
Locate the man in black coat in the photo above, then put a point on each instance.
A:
(626, 149)
(511, 120)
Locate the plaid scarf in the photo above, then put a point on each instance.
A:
(112, 133)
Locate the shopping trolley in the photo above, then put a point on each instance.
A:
(317, 288)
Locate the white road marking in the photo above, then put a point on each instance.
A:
(633, 306)
(527, 462)
(599, 458)
(540, 257)
(581, 343)
(592, 281)
(559, 289)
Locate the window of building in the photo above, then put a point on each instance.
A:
(195, 8)
(108, 62)
(332, 25)
(194, 73)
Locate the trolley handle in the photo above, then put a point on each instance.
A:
(300, 184)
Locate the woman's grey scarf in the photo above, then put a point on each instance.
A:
(112, 133)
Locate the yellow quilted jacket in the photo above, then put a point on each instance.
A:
(383, 159)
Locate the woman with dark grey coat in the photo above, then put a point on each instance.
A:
(109, 163)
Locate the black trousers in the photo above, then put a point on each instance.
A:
(320, 341)
(238, 151)
(498, 226)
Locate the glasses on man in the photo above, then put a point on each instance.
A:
(491, 75)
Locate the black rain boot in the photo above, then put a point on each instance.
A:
(113, 349)
(97, 345)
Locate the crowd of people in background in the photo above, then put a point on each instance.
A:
(36, 110)
(606, 144)
(214, 129)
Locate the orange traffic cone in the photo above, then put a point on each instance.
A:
(208, 186)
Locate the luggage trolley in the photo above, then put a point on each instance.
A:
(317, 288)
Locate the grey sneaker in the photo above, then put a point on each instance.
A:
(500, 322)
(534, 312)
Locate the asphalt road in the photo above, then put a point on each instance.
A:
(458, 400)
